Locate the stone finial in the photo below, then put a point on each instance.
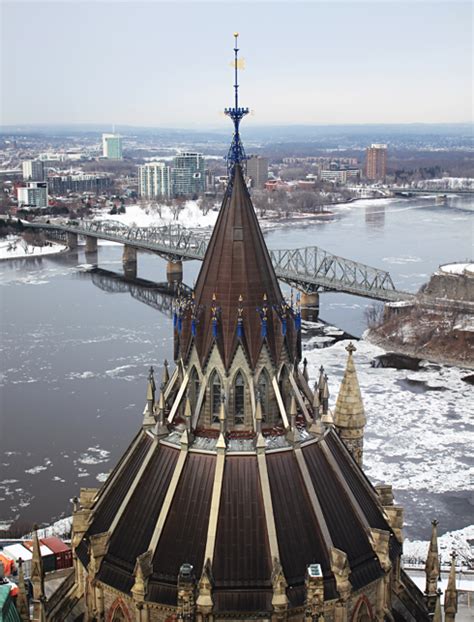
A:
(258, 414)
(451, 593)
(22, 598)
(166, 374)
(305, 369)
(437, 616)
(341, 570)
(293, 411)
(324, 395)
(222, 416)
(148, 415)
(188, 414)
(204, 601)
(432, 562)
(279, 584)
(349, 415)
(161, 427)
(37, 573)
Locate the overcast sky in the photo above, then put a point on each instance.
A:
(167, 63)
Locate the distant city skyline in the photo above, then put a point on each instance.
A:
(167, 64)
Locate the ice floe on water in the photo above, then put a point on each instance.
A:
(41, 467)
(420, 430)
(402, 259)
(102, 477)
(93, 455)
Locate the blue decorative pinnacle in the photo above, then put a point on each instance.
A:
(236, 154)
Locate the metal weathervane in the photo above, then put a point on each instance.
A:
(236, 154)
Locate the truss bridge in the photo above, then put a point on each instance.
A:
(310, 269)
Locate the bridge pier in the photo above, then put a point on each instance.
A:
(91, 244)
(71, 239)
(310, 306)
(174, 271)
(129, 261)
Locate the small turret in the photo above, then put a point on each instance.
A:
(432, 568)
(451, 594)
(349, 417)
(437, 616)
(166, 374)
(22, 598)
(37, 579)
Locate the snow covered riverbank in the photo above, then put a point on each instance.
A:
(14, 247)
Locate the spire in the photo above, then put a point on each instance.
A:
(236, 154)
(437, 616)
(236, 274)
(349, 417)
(166, 374)
(432, 562)
(451, 594)
(37, 575)
(37, 579)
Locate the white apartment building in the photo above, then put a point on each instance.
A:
(154, 180)
(112, 146)
(33, 194)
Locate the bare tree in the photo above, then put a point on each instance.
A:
(374, 315)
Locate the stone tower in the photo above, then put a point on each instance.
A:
(349, 416)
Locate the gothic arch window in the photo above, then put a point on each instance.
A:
(263, 393)
(118, 612)
(194, 387)
(216, 393)
(362, 611)
(239, 399)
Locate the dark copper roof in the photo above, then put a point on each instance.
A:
(241, 565)
(237, 264)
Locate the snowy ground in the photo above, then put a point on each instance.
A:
(13, 247)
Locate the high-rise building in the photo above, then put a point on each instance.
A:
(154, 180)
(33, 170)
(257, 171)
(188, 174)
(33, 194)
(62, 184)
(112, 146)
(376, 162)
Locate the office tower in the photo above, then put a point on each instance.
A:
(376, 162)
(188, 177)
(112, 146)
(33, 170)
(154, 180)
(33, 194)
(257, 171)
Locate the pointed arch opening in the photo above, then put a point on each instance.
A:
(263, 391)
(239, 399)
(194, 387)
(362, 611)
(216, 396)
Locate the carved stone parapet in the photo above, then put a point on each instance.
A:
(341, 571)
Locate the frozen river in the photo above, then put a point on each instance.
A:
(75, 360)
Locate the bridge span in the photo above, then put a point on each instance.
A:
(311, 269)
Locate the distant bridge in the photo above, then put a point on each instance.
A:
(440, 191)
(309, 269)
